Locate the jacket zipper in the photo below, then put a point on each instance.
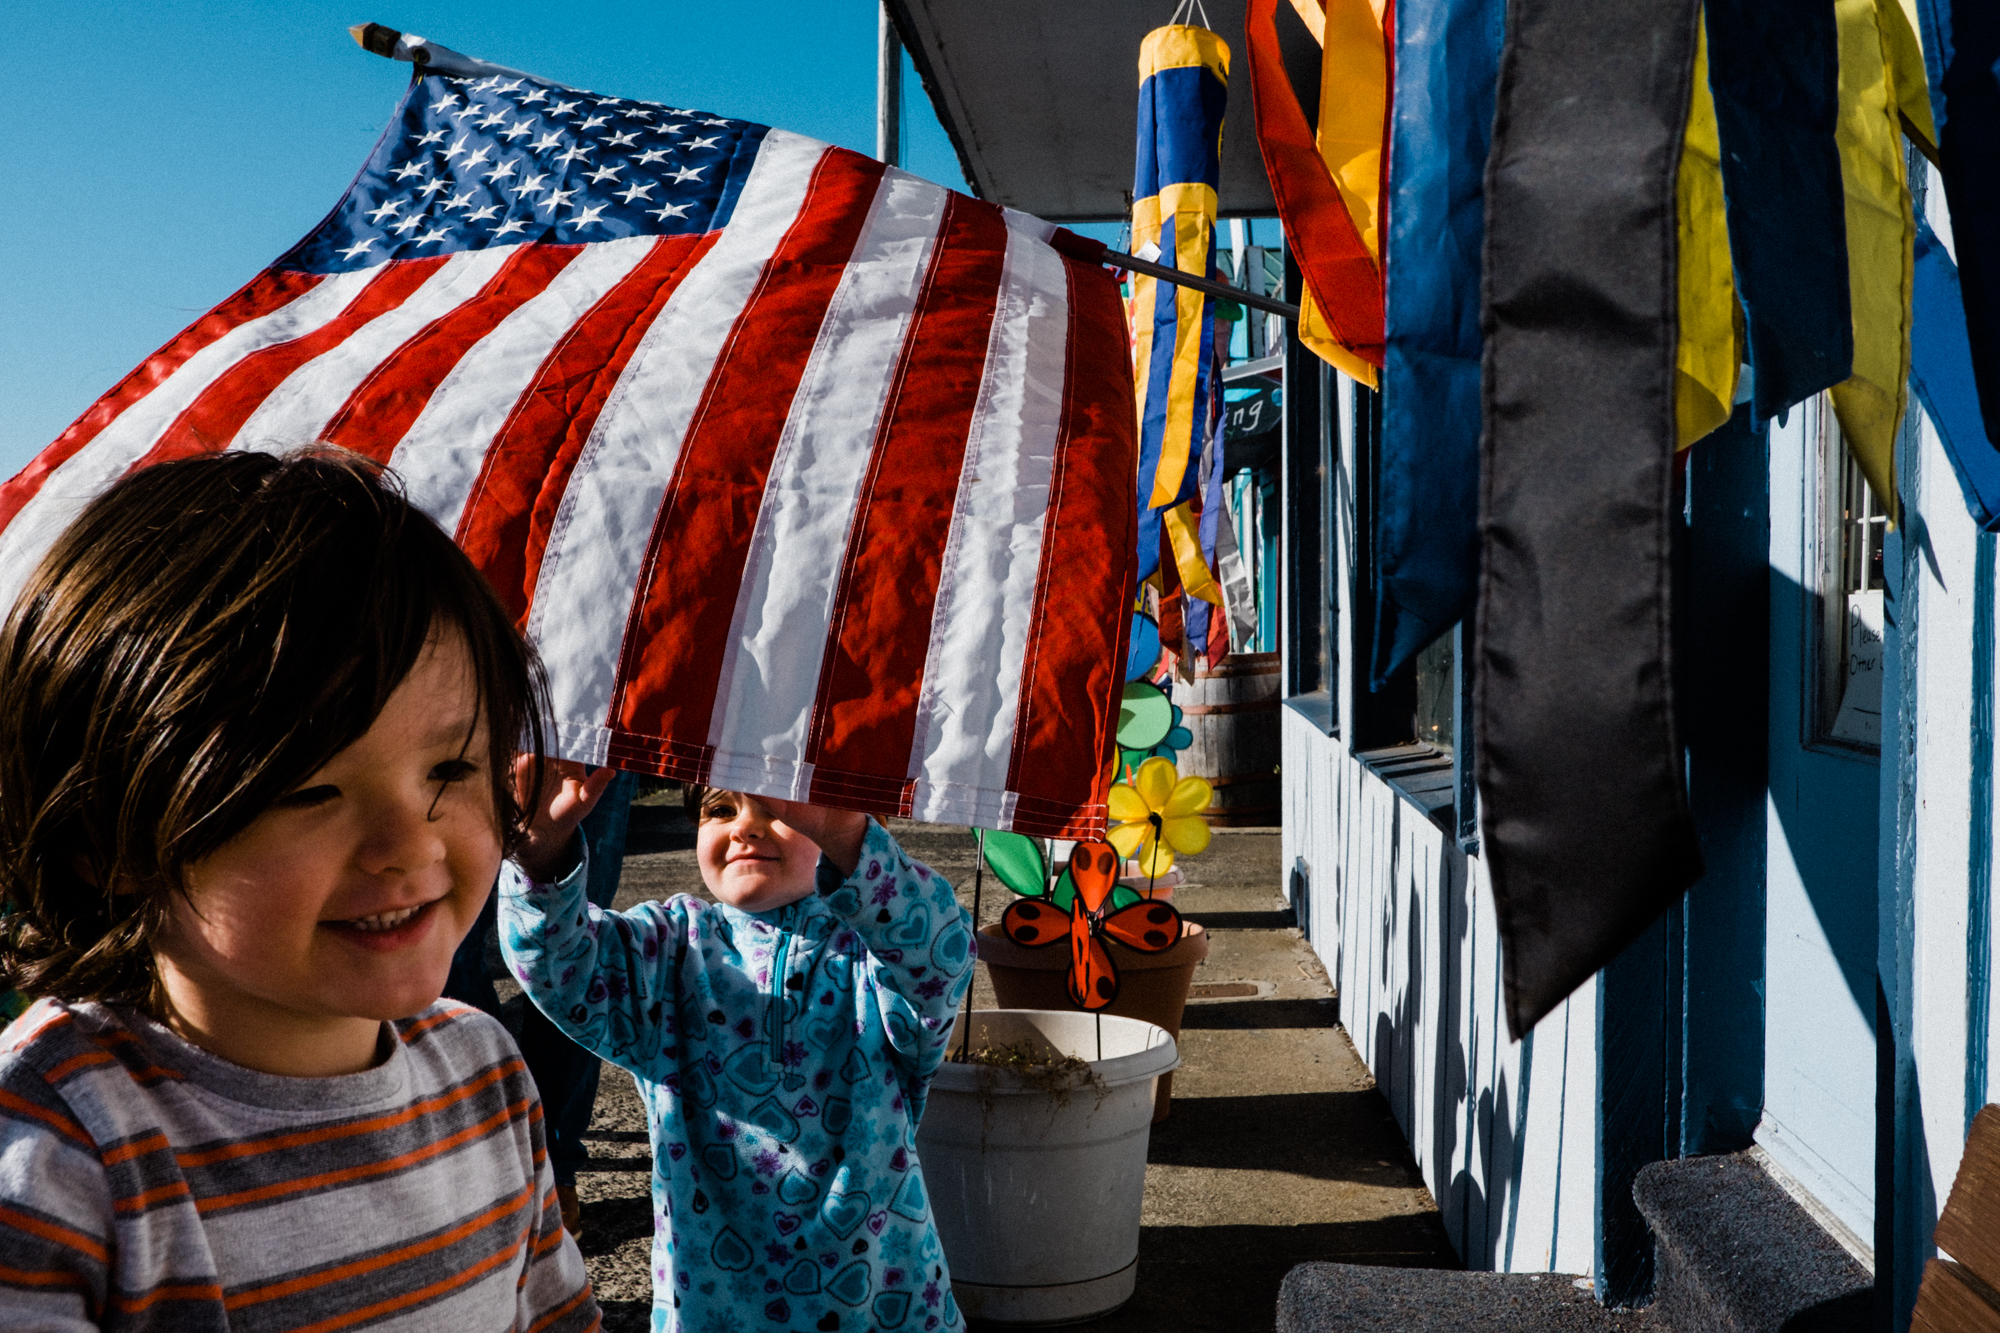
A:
(777, 1027)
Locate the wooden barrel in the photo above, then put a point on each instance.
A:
(1232, 713)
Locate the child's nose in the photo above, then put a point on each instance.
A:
(401, 837)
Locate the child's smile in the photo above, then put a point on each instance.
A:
(749, 858)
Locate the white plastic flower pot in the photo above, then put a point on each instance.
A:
(1036, 1176)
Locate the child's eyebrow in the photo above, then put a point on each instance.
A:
(446, 732)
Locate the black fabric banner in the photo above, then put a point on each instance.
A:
(1587, 831)
(1775, 68)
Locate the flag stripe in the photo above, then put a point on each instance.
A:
(387, 403)
(864, 713)
(535, 450)
(297, 409)
(441, 456)
(124, 440)
(961, 747)
(268, 291)
(215, 417)
(599, 550)
(1066, 691)
(709, 509)
(772, 654)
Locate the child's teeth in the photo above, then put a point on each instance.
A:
(385, 920)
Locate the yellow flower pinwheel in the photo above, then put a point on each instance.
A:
(1158, 814)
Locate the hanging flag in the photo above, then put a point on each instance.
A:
(1342, 276)
(1962, 50)
(1707, 359)
(807, 477)
(1881, 86)
(1586, 825)
(1774, 75)
(1183, 84)
(1941, 373)
(1425, 537)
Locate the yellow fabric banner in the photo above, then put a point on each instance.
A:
(1708, 357)
(1881, 79)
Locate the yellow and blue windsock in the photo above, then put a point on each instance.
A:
(1183, 84)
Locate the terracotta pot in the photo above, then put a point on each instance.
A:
(1152, 987)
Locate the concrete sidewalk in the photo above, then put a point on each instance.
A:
(1279, 1149)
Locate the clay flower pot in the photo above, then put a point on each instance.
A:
(1152, 987)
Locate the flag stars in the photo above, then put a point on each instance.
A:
(556, 199)
(431, 187)
(497, 118)
(546, 142)
(530, 185)
(409, 223)
(448, 100)
(509, 226)
(477, 157)
(651, 155)
(623, 139)
(635, 192)
(575, 152)
(693, 144)
(513, 132)
(688, 173)
(483, 213)
(667, 211)
(469, 111)
(385, 209)
(355, 249)
(500, 172)
(463, 199)
(592, 122)
(435, 136)
(538, 95)
(564, 108)
(455, 149)
(409, 169)
(603, 174)
(507, 87)
(584, 217)
(433, 236)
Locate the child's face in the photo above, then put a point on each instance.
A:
(341, 905)
(750, 859)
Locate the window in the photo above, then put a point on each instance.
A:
(1846, 656)
(1407, 731)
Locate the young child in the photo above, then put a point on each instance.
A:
(258, 721)
(783, 1041)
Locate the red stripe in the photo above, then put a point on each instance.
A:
(674, 641)
(878, 641)
(1070, 681)
(1343, 277)
(264, 293)
(385, 405)
(211, 421)
(512, 506)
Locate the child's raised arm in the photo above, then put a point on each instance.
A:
(918, 937)
(605, 978)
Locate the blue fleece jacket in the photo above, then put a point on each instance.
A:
(784, 1058)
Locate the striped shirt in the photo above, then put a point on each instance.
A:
(146, 1184)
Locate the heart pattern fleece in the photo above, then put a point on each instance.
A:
(784, 1059)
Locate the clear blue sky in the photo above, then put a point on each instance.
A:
(163, 154)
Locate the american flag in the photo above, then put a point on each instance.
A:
(806, 476)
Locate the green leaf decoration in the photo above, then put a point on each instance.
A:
(1065, 893)
(1017, 860)
(1123, 897)
(1145, 716)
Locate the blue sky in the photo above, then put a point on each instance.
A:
(163, 154)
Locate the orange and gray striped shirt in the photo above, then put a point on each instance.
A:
(148, 1185)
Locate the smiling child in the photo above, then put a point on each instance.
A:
(258, 720)
(783, 1040)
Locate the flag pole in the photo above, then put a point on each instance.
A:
(1097, 252)
(888, 90)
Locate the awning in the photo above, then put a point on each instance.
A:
(1040, 97)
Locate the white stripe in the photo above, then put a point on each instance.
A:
(591, 570)
(440, 457)
(784, 605)
(126, 440)
(964, 738)
(297, 411)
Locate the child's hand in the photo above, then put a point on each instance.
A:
(567, 795)
(838, 832)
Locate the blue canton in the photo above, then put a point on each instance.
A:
(472, 163)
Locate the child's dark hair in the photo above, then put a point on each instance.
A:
(201, 639)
